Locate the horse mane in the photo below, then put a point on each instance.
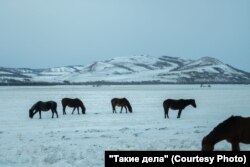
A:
(128, 105)
(190, 100)
(81, 104)
(34, 106)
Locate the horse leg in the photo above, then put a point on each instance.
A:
(235, 146)
(121, 109)
(179, 113)
(52, 113)
(56, 113)
(73, 110)
(64, 112)
(166, 112)
(113, 107)
(126, 109)
(40, 114)
(78, 110)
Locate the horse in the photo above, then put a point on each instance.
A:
(235, 129)
(123, 102)
(74, 103)
(177, 105)
(43, 106)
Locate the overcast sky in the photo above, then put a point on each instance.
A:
(50, 33)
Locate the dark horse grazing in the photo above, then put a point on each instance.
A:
(43, 106)
(122, 103)
(74, 103)
(235, 129)
(177, 105)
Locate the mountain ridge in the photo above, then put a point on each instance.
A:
(143, 68)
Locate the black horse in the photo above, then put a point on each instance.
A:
(74, 103)
(235, 129)
(177, 105)
(123, 102)
(43, 106)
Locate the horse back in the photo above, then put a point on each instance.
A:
(235, 128)
(118, 102)
(71, 102)
(173, 104)
(45, 106)
(51, 104)
(66, 101)
(78, 101)
(114, 101)
(243, 128)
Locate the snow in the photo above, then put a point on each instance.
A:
(4, 72)
(80, 140)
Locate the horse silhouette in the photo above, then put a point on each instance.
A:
(235, 129)
(123, 102)
(73, 103)
(43, 106)
(177, 105)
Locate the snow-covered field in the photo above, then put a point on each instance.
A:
(80, 140)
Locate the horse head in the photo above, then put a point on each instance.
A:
(31, 113)
(130, 109)
(206, 144)
(79, 103)
(128, 105)
(83, 109)
(193, 103)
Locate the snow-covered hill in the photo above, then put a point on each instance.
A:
(133, 69)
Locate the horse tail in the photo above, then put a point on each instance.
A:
(164, 105)
(166, 108)
(113, 104)
(128, 105)
(63, 101)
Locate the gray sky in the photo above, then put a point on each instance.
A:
(50, 33)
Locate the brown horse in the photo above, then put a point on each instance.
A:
(122, 103)
(177, 105)
(235, 129)
(74, 103)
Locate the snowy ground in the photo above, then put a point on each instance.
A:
(80, 140)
